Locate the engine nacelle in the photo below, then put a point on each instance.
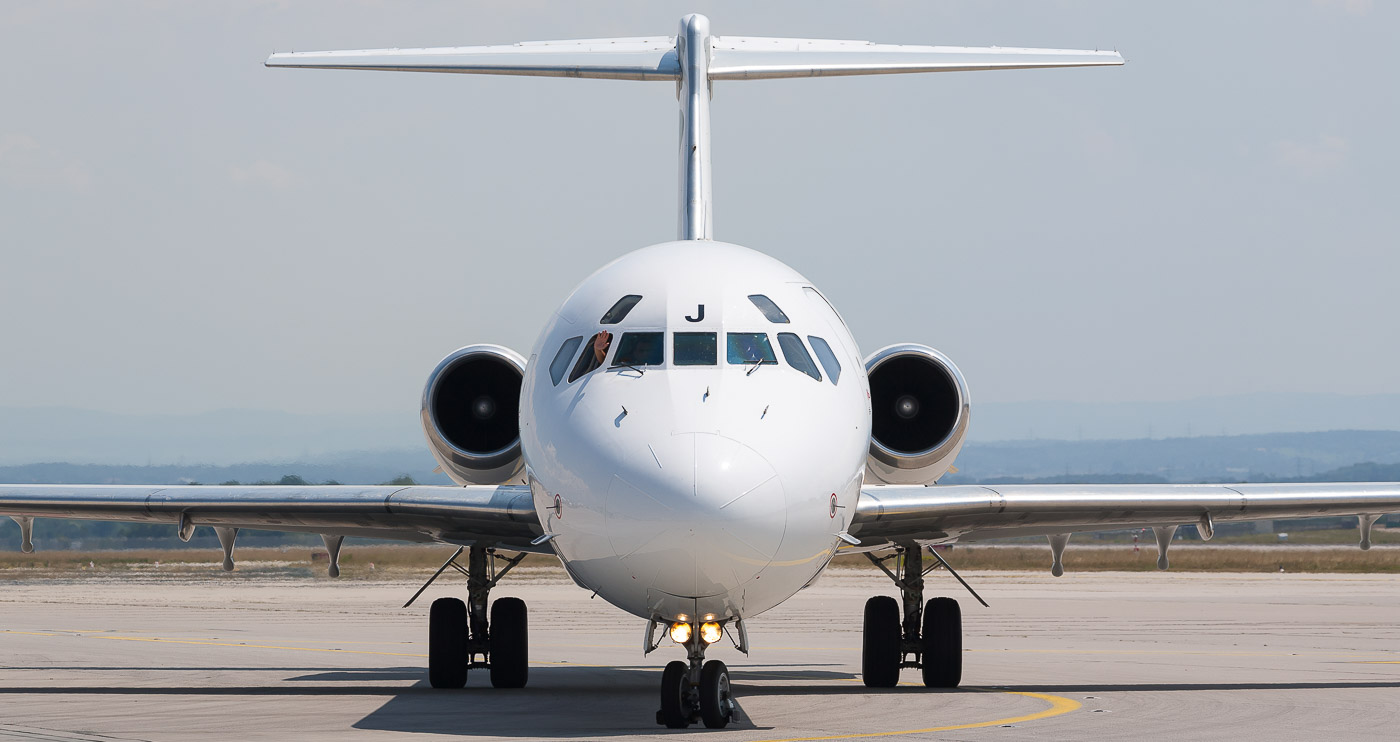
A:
(919, 410)
(471, 414)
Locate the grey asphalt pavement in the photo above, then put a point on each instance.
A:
(1101, 656)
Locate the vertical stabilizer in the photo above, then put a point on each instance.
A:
(694, 59)
(693, 89)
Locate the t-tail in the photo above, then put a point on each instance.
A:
(693, 60)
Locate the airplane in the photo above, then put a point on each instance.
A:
(695, 434)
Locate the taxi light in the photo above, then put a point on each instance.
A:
(710, 632)
(680, 632)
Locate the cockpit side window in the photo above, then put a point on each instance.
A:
(796, 355)
(592, 356)
(560, 364)
(827, 358)
(749, 347)
(769, 309)
(694, 349)
(640, 349)
(620, 309)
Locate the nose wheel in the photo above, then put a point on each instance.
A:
(707, 700)
(677, 697)
(716, 702)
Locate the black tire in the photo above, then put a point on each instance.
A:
(675, 712)
(942, 637)
(447, 643)
(716, 699)
(510, 644)
(880, 656)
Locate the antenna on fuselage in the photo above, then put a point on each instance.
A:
(693, 60)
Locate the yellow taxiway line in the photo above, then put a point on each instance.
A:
(1058, 705)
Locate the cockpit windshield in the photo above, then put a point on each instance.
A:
(796, 354)
(749, 347)
(560, 364)
(639, 349)
(828, 359)
(695, 349)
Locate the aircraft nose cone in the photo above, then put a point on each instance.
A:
(703, 519)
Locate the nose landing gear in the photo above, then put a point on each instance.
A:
(930, 633)
(696, 690)
(460, 632)
(688, 696)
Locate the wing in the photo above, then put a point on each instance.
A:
(944, 514)
(502, 515)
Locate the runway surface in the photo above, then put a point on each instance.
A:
(1103, 656)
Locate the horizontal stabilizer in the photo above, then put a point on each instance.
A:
(754, 58)
(731, 58)
(652, 58)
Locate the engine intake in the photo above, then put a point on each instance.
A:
(471, 414)
(919, 410)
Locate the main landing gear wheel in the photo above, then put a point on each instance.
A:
(880, 652)
(447, 643)
(942, 640)
(716, 701)
(510, 647)
(675, 696)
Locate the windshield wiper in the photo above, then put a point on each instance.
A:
(640, 371)
(756, 364)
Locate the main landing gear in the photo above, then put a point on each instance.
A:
(930, 633)
(459, 633)
(696, 690)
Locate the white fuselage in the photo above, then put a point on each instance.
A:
(696, 486)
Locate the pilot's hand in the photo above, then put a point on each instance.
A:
(601, 341)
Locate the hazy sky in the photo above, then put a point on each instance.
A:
(182, 229)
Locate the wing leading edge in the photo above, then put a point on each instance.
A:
(502, 515)
(948, 513)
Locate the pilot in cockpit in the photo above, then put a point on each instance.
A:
(592, 358)
(601, 341)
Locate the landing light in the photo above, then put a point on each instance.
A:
(710, 632)
(680, 632)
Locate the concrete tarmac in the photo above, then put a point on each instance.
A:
(1086, 656)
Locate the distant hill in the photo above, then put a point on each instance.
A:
(370, 467)
(1366, 472)
(1245, 414)
(226, 437)
(1274, 456)
(1236, 458)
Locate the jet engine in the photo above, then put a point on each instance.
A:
(471, 414)
(919, 410)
